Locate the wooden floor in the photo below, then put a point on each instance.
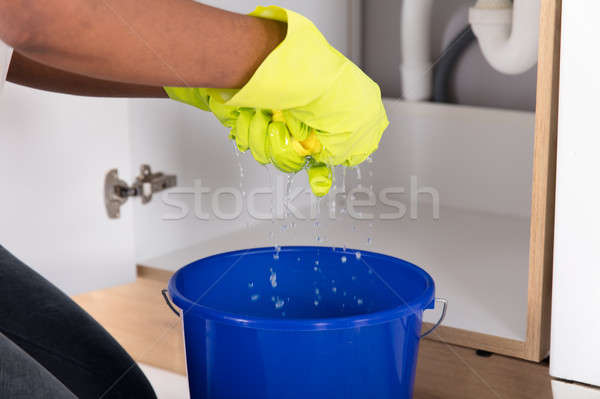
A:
(138, 318)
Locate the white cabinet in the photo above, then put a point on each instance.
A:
(490, 250)
(54, 152)
(575, 346)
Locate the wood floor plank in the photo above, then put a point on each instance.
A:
(136, 315)
(452, 372)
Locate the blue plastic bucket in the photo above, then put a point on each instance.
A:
(314, 323)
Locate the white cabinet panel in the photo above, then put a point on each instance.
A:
(575, 347)
(564, 390)
(54, 152)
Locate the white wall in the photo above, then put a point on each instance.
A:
(575, 348)
(54, 152)
(476, 158)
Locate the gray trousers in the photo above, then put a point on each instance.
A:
(51, 348)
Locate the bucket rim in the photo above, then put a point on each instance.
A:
(423, 301)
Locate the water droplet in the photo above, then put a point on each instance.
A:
(344, 259)
(316, 303)
(359, 301)
(283, 314)
(273, 279)
(254, 297)
(344, 293)
(317, 262)
(334, 289)
(251, 284)
(298, 259)
(273, 298)
(369, 241)
(353, 278)
(358, 255)
(315, 268)
(279, 303)
(370, 271)
(317, 291)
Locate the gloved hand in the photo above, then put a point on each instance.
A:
(305, 104)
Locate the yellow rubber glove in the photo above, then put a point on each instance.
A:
(320, 178)
(320, 104)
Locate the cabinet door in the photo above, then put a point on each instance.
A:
(54, 152)
(575, 296)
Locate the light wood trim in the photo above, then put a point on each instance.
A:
(543, 185)
(470, 339)
(153, 273)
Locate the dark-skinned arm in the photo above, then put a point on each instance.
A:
(26, 72)
(146, 42)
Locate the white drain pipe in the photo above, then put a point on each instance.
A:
(507, 33)
(416, 69)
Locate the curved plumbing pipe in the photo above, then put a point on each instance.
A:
(507, 33)
(416, 69)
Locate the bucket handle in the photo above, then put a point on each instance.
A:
(168, 301)
(444, 303)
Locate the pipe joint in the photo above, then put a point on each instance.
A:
(507, 33)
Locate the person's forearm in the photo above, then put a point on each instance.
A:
(26, 72)
(148, 42)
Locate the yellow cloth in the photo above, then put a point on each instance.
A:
(305, 102)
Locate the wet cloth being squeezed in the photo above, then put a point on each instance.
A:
(305, 106)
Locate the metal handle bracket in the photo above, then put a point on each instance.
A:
(444, 303)
(168, 301)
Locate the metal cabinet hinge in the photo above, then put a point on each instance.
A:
(116, 191)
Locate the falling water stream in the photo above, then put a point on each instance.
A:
(283, 222)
